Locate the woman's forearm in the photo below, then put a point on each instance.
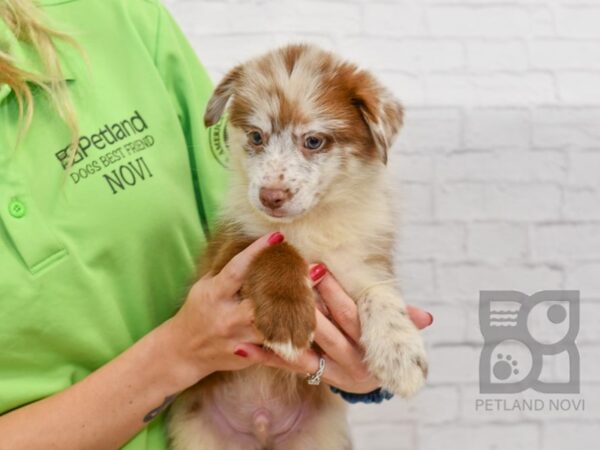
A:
(107, 408)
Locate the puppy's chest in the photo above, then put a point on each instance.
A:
(345, 259)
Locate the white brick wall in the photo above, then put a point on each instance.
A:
(499, 167)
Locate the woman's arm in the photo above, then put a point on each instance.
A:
(107, 408)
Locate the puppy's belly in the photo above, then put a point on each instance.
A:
(255, 422)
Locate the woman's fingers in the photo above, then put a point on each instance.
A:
(422, 319)
(230, 279)
(308, 363)
(332, 340)
(341, 307)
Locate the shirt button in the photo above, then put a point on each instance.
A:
(16, 208)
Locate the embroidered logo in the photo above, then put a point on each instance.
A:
(217, 140)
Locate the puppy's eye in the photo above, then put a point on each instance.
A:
(255, 138)
(313, 142)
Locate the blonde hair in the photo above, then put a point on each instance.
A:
(26, 22)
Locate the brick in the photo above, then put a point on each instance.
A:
(223, 52)
(433, 404)
(464, 281)
(497, 55)
(452, 364)
(431, 129)
(588, 283)
(410, 167)
(490, 89)
(584, 168)
(585, 278)
(590, 369)
(398, 19)
(574, 436)
(522, 166)
(566, 242)
(449, 324)
(498, 128)
(497, 242)
(560, 127)
(407, 55)
(579, 21)
(580, 204)
(579, 87)
(424, 242)
(474, 335)
(488, 437)
(408, 88)
(221, 18)
(473, 201)
(416, 280)
(383, 437)
(490, 21)
(416, 202)
(560, 54)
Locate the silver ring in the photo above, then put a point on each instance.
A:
(315, 378)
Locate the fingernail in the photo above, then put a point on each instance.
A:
(241, 352)
(318, 272)
(275, 238)
(430, 318)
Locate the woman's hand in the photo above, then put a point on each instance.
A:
(213, 320)
(338, 335)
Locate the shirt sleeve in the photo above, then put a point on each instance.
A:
(190, 89)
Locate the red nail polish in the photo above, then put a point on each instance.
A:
(241, 352)
(275, 238)
(430, 318)
(318, 272)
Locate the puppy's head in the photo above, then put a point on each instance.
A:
(303, 123)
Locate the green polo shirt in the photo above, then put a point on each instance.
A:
(93, 258)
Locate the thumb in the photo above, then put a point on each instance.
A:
(232, 275)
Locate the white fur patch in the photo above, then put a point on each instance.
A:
(284, 349)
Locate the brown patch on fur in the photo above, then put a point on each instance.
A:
(289, 113)
(284, 302)
(291, 54)
(357, 98)
(240, 112)
(225, 243)
(218, 101)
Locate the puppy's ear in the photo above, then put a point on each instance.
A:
(382, 113)
(218, 101)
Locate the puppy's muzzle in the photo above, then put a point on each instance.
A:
(274, 198)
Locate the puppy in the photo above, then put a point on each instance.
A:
(309, 135)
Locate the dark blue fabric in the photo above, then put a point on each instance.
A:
(376, 396)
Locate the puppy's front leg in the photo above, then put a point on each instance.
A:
(394, 348)
(284, 301)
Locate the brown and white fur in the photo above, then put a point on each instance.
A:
(332, 203)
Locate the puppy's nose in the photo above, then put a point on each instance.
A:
(274, 198)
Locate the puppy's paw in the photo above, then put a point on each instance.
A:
(397, 357)
(288, 324)
(284, 301)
